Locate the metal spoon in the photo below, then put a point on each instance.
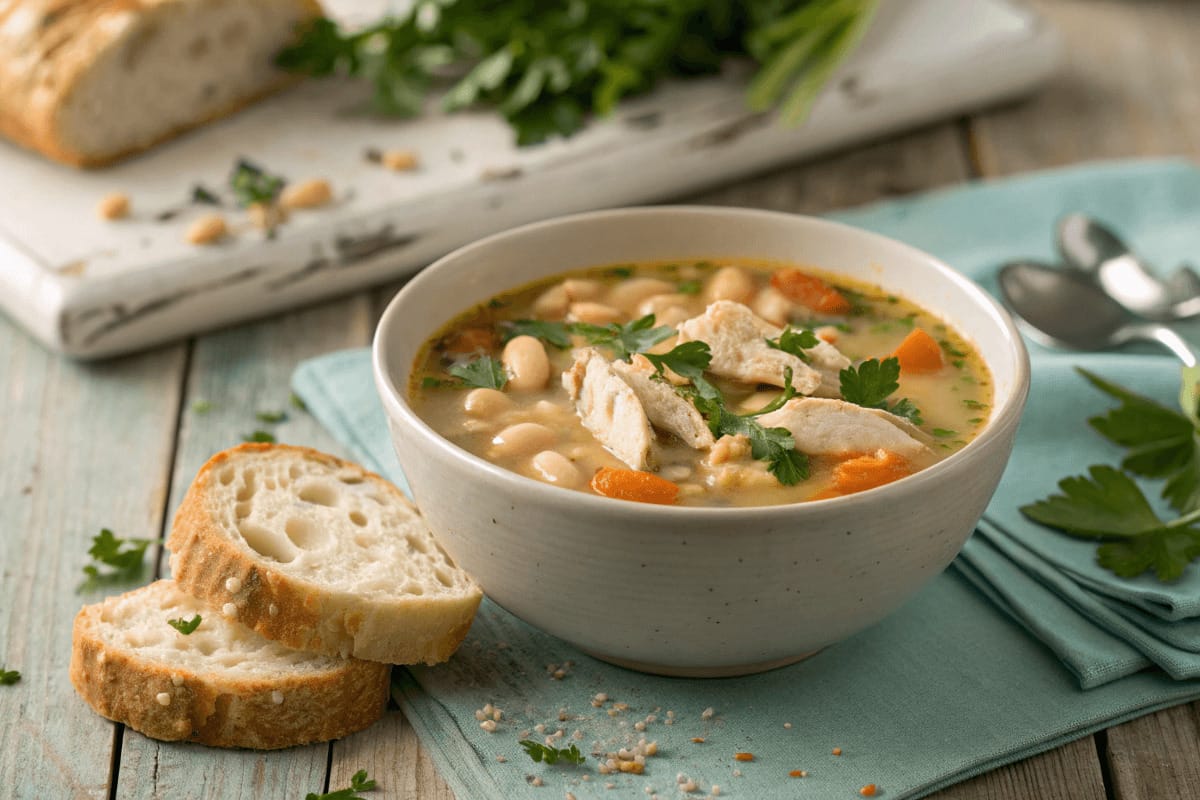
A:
(1087, 245)
(1066, 308)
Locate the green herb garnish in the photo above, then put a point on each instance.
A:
(251, 184)
(542, 753)
(201, 406)
(484, 372)
(359, 782)
(554, 333)
(872, 382)
(795, 342)
(201, 194)
(1107, 505)
(625, 340)
(297, 402)
(259, 436)
(271, 417)
(546, 66)
(689, 287)
(123, 556)
(185, 626)
(9, 676)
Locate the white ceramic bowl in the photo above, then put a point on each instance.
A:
(685, 590)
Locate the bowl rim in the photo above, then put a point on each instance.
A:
(396, 404)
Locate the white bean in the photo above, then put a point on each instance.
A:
(771, 305)
(594, 313)
(557, 469)
(522, 439)
(628, 294)
(486, 403)
(668, 309)
(730, 283)
(552, 303)
(582, 289)
(528, 366)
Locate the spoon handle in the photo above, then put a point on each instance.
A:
(1169, 339)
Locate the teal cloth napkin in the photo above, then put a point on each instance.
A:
(948, 687)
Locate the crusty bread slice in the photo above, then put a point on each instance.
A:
(321, 555)
(222, 684)
(88, 82)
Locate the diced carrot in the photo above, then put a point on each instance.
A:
(743, 756)
(629, 484)
(859, 473)
(870, 790)
(471, 340)
(811, 291)
(919, 353)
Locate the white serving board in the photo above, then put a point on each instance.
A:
(92, 288)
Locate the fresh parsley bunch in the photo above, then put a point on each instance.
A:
(546, 66)
(1108, 506)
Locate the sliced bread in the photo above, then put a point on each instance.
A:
(319, 554)
(222, 684)
(88, 82)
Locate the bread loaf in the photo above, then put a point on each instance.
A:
(86, 82)
(319, 554)
(220, 685)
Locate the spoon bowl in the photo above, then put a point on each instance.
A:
(1066, 308)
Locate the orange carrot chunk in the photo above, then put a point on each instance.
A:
(919, 353)
(859, 473)
(811, 291)
(743, 756)
(629, 484)
(870, 790)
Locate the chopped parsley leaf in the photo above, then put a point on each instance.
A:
(271, 417)
(484, 372)
(689, 287)
(124, 556)
(185, 626)
(201, 194)
(9, 676)
(201, 406)
(542, 753)
(554, 333)
(872, 382)
(625, 340)
(251, 184)
(359, 782)
(297, 402)
(259, 436)
(943, 433)
(795, 342)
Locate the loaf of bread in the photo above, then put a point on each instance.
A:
(319, 554)
(220, 685)
(86, 82)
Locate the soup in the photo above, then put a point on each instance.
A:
(697, 383)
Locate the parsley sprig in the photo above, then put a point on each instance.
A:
(1107, 504)
(872, 382)
(542, 753)
(773, 445)
(9, 676)
(185, 626)
(123, 556)
(359, 782)
(252, 184)
(624, 340)
(484, 372)
(546, 66)
(796, 342)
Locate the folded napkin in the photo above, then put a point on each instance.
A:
(949, 686)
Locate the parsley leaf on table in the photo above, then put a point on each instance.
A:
(1107, 505)
(271, 417)
(259, 436)
(9, 676)
(484, 372)
(1161, 441)
(252, 184)
(552, 755)
(124, 556)
(185, 626)
(359, 782)
(871, 383)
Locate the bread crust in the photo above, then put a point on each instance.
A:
(306, 615)
(214, 709)
(57, 43)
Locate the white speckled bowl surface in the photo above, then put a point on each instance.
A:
(685, 590)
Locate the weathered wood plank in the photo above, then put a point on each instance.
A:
(84, 448)
(392, 756)
(1071, 772)
(1156, 757)
(1127, 88)
(239, 372)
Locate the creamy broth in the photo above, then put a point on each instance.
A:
(534, 426)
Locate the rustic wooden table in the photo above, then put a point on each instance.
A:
(115, 444)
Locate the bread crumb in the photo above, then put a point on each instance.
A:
(501, 760)
(113, 206)
(233, 585)
(399, 160)
(537, 781)
(208, 229)
(707, 713)
(312, 193)
(277, 697)
(787, 726)
(163, 699)
(488, 725)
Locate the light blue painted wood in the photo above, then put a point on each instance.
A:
(82, 448)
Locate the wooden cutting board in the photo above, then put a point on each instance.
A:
(91, 288)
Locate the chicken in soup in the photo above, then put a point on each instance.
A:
(697, 383)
